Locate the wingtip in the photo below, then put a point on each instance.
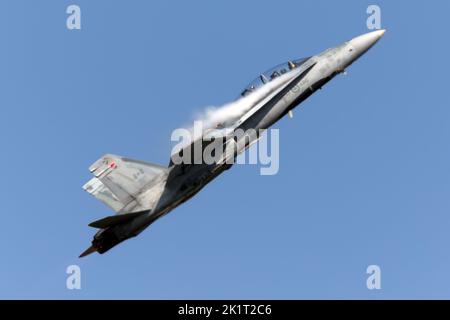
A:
(88, 251)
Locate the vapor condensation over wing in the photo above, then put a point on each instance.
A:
(229, 113)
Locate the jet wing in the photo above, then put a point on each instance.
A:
(244, 123)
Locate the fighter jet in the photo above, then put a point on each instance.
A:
(141, 192)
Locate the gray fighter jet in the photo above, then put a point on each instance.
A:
(141, 192)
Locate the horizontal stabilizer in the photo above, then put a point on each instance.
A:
(115, 220)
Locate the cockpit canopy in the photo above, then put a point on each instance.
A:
(271, 74)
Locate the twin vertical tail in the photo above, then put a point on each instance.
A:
(118, 182)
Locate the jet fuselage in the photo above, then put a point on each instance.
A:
(182, 181)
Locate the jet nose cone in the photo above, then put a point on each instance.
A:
(366, 41)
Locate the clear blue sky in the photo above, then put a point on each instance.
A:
(364, 174)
